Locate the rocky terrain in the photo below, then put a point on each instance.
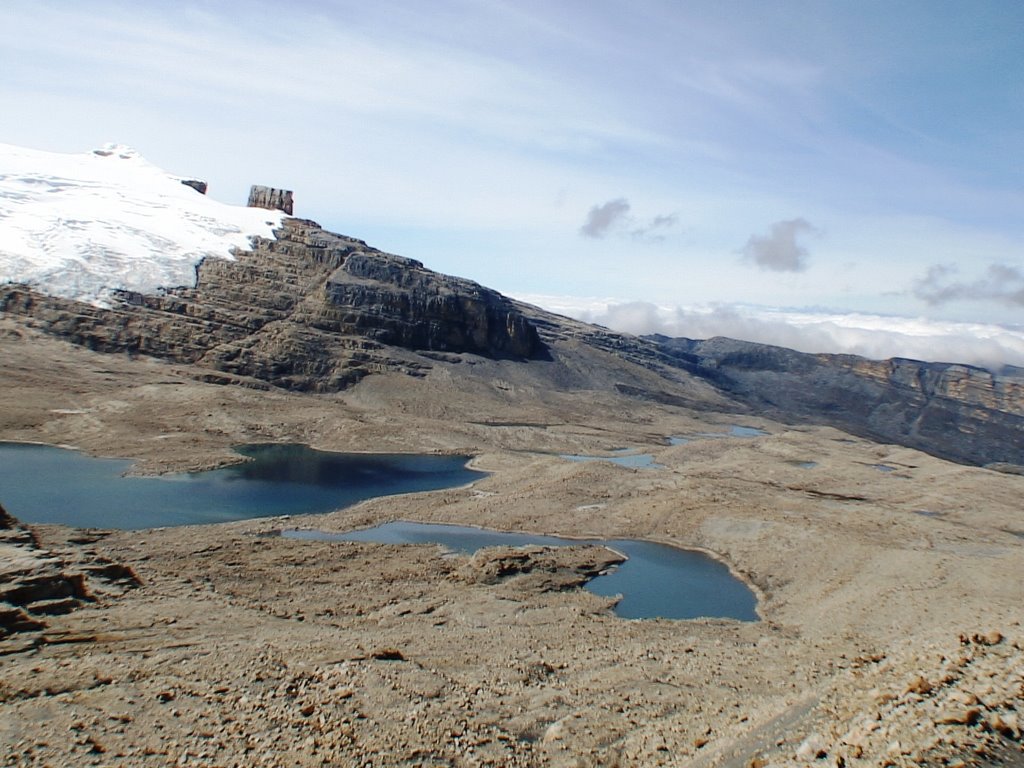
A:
(889, 578)
(307, 310)
(310, 310)
(890, 601)
(36, 582)
(959, 412)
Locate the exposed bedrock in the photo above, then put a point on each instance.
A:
(36, 582)
(957, 412)
(310, 310)
(316, 311)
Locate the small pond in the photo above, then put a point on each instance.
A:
(657, 580)
(45, 484)
(623, 457)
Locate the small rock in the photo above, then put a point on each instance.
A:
(966, 698)
(994, 637)
(554, 732)
(1004, 725)
(918, 685)
(812, 748)
(965, 716)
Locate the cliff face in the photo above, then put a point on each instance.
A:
(309, 310)
(954, 411)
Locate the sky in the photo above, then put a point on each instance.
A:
(831, 176)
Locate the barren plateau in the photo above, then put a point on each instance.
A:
(890, 602)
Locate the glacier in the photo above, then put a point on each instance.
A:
(82, 226)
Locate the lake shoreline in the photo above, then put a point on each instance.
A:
(345, 642)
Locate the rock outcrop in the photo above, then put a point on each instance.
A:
(36, 582)
(199, 186)
(309, 310)
(271, 198)
(314, 311)
(957, 412)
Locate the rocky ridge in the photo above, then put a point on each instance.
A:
(314, 311)
(958, 412)
(308, 311)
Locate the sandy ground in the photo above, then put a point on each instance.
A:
(888, 636)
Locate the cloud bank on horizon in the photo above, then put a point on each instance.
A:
(877, 337)
(856, 157)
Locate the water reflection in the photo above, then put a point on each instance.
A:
(45, 484)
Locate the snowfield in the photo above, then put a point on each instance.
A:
(81, 226)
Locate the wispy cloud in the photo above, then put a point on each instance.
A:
(602, 218)
(614, 215)
(487, 127)
(779, 250)
(1002, 282)
(655, 229)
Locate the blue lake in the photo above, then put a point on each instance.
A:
(45, 484)
(656, 581)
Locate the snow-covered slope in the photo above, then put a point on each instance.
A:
(79, 226)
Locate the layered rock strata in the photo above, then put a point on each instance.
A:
(309, 311)
(271, 198)
(957, 412)
(36, 582)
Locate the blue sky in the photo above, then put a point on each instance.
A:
(831, 159)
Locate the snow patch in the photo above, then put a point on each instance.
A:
(81, 226)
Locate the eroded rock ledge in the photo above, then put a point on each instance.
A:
(36, 582)
(309, 311)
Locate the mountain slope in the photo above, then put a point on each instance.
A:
(958, 412)
(272, 300)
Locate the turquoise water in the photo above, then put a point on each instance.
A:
(657, 581)
(44, 484)
(623, 458)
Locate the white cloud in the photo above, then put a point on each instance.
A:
(873, 336)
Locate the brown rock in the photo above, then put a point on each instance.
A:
(918, 685)
(964, 716)
(271, 198)
(990, 638)
(1004, 725)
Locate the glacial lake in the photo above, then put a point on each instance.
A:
(46, 484)
(657, 581)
